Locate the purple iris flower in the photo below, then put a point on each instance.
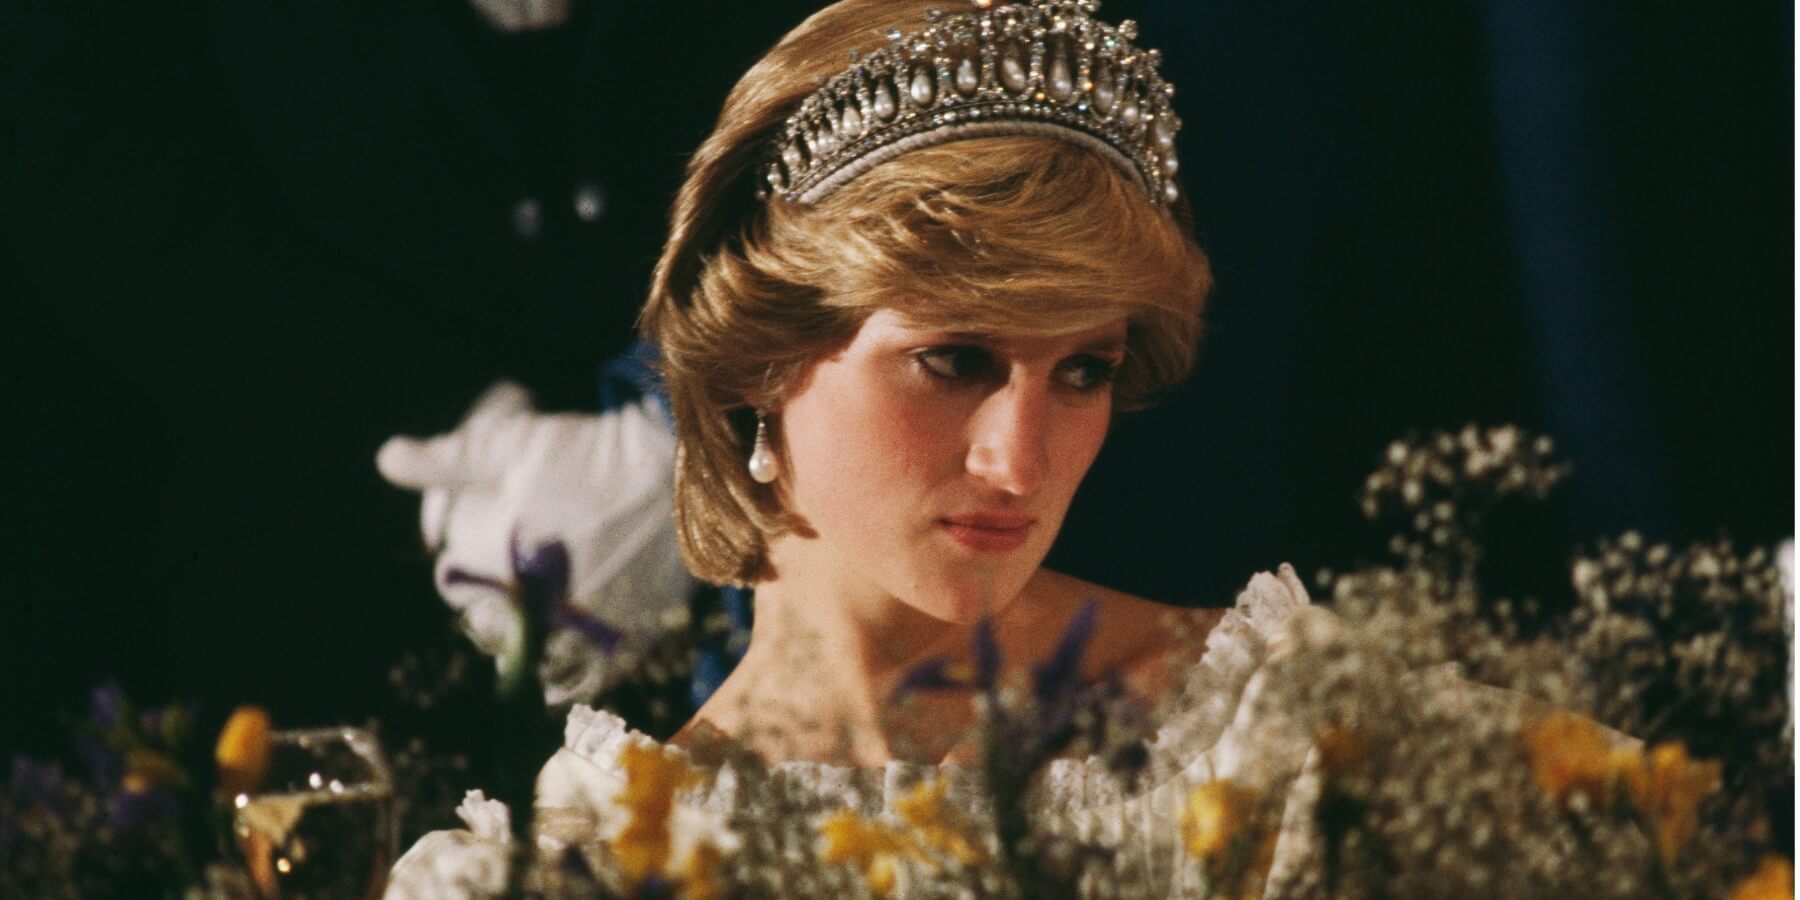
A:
(1068, 706)
(1056, 682)
(543, 576)
(1058, 678)
(1059, 688)
(938, 673)
(541, 589)
(542, 573)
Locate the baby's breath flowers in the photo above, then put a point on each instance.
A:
(1656, 778)
(1442, 489)
(1691, 645)
(1689, 648)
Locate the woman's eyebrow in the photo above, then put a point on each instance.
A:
(909, 329)
(1110, 343)
(1113, 343)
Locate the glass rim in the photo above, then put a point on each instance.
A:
(362, 742)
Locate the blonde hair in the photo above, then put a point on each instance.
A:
(1013, 235)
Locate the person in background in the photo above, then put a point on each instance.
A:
(601, 484)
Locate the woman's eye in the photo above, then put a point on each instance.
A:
(1088, 373)
(953, 363)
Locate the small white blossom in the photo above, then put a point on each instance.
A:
(490, 820)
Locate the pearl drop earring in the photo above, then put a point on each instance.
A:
(764, 468)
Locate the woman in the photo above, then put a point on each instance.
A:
(924, 358)
(924, 259)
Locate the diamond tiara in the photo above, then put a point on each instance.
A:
(1039, 67)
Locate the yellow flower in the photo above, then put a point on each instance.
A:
(243, 750)
(652, 776)
(850, 838)
(878, 849)
(926, 809)
(1667, 788)
(1774, 880)
(874, 848)
(1219, 826)
(1572, 755)
(700, 878)
(1215, 814)
(884, 875)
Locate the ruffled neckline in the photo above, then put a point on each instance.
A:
(1204, 708)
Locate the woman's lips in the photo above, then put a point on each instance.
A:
(988, 533)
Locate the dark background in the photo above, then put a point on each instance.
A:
(244, 243)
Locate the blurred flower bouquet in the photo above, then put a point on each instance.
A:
(1626, 734)
(143, 819)
(1633, 738)
(151, 810)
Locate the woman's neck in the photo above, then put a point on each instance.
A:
(863, 632)
(825, 657)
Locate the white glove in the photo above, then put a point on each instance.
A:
(601, 484)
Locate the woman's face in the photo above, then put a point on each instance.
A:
(936, 467)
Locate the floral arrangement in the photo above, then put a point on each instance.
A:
(1630, 738)
(1641, 745)
(143, 819)
(1627, 733)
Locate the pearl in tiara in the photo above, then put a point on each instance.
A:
(1041, 67)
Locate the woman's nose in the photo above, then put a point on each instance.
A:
(1009, 447)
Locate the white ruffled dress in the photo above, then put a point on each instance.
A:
(1211, 734)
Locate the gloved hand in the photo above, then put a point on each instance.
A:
(601, 484)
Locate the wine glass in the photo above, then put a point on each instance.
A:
(323, 823)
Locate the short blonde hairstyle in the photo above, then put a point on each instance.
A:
(1004, 235)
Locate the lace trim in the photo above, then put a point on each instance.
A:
(1208, 702)
(597, 736)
